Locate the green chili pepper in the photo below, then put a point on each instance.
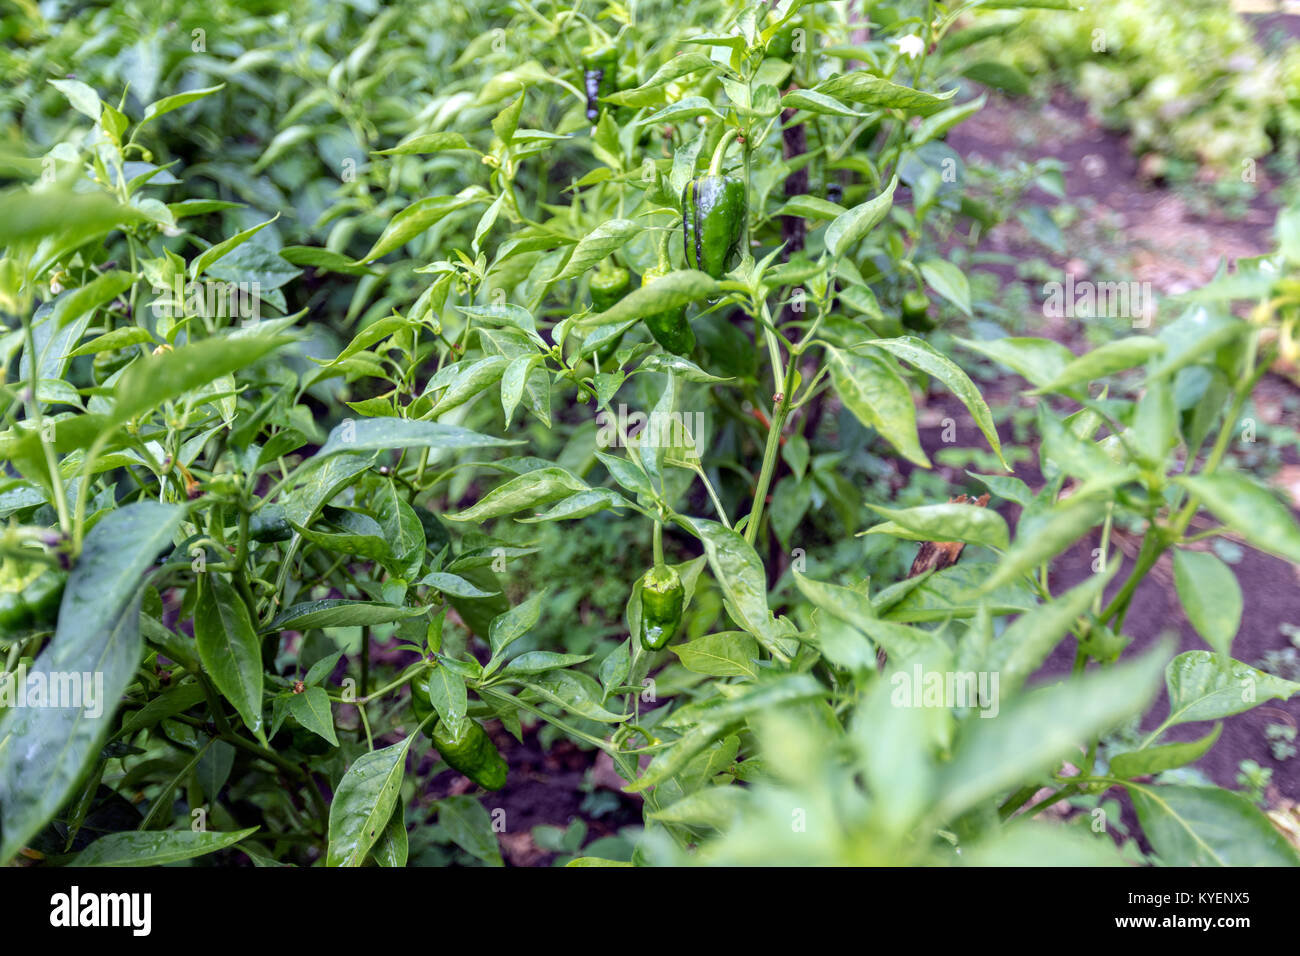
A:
(270, 524)
(670, 328)
(30, 599)
(600, 76)
(472, 752)
(662, 598)
(916, 311)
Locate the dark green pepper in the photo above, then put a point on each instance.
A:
(916, 311)
(269, 524)
(713, 216)
(599, 75)
(472, 752)
(30, 599)
(670, 328)
(662, 599)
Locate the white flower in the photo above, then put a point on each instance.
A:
(910, 45)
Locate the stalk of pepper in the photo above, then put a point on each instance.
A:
(916, 311)
(30, 600)
(470, 752)
(662, 599)
(599, 76)
(713, 216)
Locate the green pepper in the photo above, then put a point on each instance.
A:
(599, 75)
(662, 598)
(916, 311)
(781, 45)
(270, 524)
(713, 216)
(608, 286)
(30, 599)
(473, 753)
(670, 328)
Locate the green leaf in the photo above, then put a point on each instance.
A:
(323, 260)
(515, 623)
(949, 281)
(739, 573)
(815, 102)
(852, 226)
(393, 847)
(426, 143)
(1064, 524)
(447, 695)
(176, 101)
(418, 217)
(862, 87)
(1152, 760)
(153, 379)
(1039, 361)
(454, 584)
(1207, 826)
(1249, 510)
(470, 828)
(44, 751)
(156, 848)
(229, 648)
(1104, 360)
(1210, 596)
(311, 708)
(1000, 76)
(112, 341)
(670, 291)
(1202, 686)
(949, 522)
(529, 490)
(364, 802)
(539, 662)
(879, 398)
(596, 245)
(1035, 731)
(725, 654)
(1042, 844)
(922, 355)
(337, 612)
(214, 253)
(395, 434)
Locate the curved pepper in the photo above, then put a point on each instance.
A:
(608, 286)
(473, 753)
(662, 599)
(670, 328)
(599, 76)
(916, 311)
(713, 215)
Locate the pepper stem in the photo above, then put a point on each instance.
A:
(715, 166)
(659, 543)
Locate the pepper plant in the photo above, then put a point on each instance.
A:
(287, 474)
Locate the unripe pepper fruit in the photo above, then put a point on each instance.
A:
(471, 752)
(916, 311)
(670, 328)
(608, 287)
(662, 598)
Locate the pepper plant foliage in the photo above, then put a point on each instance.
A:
(241, 516)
